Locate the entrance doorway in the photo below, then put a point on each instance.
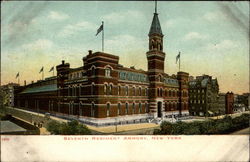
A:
(159, 108)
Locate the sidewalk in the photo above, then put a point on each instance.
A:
(245, 131)
(123, 128)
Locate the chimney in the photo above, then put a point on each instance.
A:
(24, 82)
(90, 52)
(63, 62)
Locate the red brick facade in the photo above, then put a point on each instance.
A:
(229, 102)
(102, 88)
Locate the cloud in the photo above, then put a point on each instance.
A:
(19, 23)
(72, 29)
(169, 23)
(57, 15)
(124, 43)
(119, 17)
(40, 44)
(222, 47)
(213, 16)
(194, 36)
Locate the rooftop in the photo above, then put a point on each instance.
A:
(42, 88)
(8, 127)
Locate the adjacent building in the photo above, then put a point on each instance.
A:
(104, 92)
(7, 94)
(229, 102)
(241, 102)
(203, 96)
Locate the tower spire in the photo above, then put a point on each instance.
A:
(155, 6)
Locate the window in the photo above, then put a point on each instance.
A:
(139, 107)
(126, 90)
(108, 109)
(119, 109)
(134, 93)
(107, 72)
(133, 111)
(139, 91)
(146, 108)
(105, 89)
(146, 92)
(110, 89)
(119, 90)
(126, 108)
(159, 78)
(93, 71)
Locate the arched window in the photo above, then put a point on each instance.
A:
(119, 90)
(119, 109)
(108, 109)
(108, 72)
(161, 93)
(126, 108)
(146, 108)
(110, 89)
(159, 78)
(126, 90)
(93, 71)
(105, 89)
(139, 107)
(133, 111)
(139, 91)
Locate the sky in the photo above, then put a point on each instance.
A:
(213, 37)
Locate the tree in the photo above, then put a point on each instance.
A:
(180, 127)
(166, 128)
(70, 128)
(53, 127)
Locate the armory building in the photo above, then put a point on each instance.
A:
(104, 92)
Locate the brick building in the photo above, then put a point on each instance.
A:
(7, 94)
(203, 96)
(229, 102)
(104, 92)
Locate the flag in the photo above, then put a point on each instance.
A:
(99, 30)
(41, 70)
(178, 57)
(17, 75)
(52, 69)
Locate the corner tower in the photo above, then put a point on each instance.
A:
(156, 58)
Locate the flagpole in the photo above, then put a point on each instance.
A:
(180, 61)
(102, 36)
(43, 74)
